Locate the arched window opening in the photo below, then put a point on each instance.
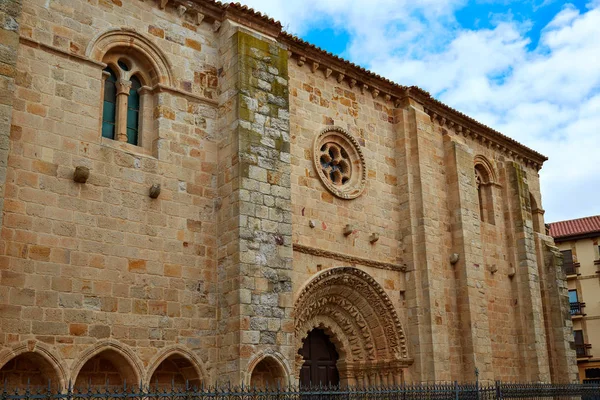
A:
(109, 108)
(108, 369)
(175, 371)
(537, 214)
(133, 111)
(268, 373)
(127, 100)
(484, 194)
(29, 370)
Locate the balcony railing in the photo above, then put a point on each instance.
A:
(571, 268)
(583, 350)
(577, 308)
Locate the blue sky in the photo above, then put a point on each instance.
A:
(530, 69)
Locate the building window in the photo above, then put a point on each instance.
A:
(581, 349)
(573, 296)
(568, 265)
(125, 99)
(484, 185)
(109, 107)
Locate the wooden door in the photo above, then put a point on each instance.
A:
(320, 359)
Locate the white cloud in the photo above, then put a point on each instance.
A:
(547, 98)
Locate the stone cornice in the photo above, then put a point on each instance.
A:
(468, 127)
(352, 260)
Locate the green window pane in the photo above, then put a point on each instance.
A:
(133, 111)
(109, 106)
(108, 120)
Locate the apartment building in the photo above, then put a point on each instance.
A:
(578, 241)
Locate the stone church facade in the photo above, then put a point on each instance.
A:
(191, 194)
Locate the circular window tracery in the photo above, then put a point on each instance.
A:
(340, 163)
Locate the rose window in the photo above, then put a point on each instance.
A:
(339, 163)
(335, 163)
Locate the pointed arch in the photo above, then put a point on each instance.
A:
(128, 40)
(125, 364)
(194, 373)
(41, 356)
(268, 367)
(360, 319)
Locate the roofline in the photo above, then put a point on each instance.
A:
(378, 86)
(576, 236)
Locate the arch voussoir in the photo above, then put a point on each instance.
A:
(363, 323)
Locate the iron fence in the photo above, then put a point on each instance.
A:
(443, 391)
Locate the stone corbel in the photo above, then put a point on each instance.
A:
(216, 25)
(301, 61)
(387, 97)
(162, 4)
(181, 9)
(375, 93)
(199, 18)
(352, 83)
(327, 72)
(314, 67)
(364, 88)
(340, 77)
(397, 103)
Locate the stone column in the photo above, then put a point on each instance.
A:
(10, 15)
(422, 239)
(123, 88)
(532, 335)
(255, 221)
(470, 269)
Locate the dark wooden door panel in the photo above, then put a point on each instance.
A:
(320, 359)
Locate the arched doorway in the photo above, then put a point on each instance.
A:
(175, 371)
(29, 370)
(320, 360)
(108, 369)
(268, 373)
(357, 316)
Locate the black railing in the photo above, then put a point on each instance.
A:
(444, 391)
(570, 268)
(577, 308)
(583, 350)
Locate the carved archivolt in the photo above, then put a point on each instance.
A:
(127, 40)
(357, 314)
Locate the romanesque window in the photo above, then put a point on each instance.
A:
(484, 185)
(124, 98)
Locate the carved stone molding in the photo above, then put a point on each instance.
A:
(340, 163)
(470, 131)
(358, 316)
(352, 260)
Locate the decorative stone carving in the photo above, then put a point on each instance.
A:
(339, 162)
(81, 174)
(369, 299)
(154, 191)
(348, 229)
(345, 258)
(374, 237)
(454, 257)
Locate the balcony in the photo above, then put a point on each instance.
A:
(577, 309)
(583, 350)
(571, 269)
